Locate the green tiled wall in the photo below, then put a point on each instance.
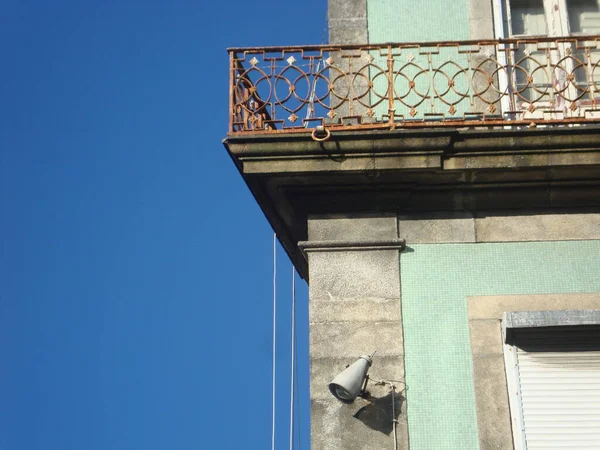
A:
(436, 279)
(410, 21)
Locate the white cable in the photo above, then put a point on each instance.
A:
(274, 348)
(394, 421)
(293, 340)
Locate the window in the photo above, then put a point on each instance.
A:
(553, 376)
(527, 18)
(583, 16)
(574, 80)
(550, 17)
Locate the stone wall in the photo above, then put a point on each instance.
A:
(347, 20)
(355, 309)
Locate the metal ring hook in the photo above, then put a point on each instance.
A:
(326, 134)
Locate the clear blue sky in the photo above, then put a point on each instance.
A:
(135, 266)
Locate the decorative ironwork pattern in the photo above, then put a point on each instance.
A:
(520, 81)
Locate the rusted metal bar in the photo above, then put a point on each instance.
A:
(532, 81)
(413, 125)
(231, 84)
(391, 96)
(298, 48)
(248, 105)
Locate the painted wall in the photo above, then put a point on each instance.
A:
(436, 280)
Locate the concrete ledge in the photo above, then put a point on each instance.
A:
(499, 226)
(537, 227)
(355, 228)
(329, 164)
(494, 306)
(420, 170)
(436, 228)
(332, 246)
(534, 319)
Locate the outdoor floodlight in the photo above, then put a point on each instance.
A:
(352, 382)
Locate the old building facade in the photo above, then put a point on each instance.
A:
(441, 195)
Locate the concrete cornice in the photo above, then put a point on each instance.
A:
(417, 139)
(414, 170)
(329, 246)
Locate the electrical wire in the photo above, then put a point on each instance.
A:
(393, 392)
(298, 428)
(394, 421)
(274, 330)
(293, 338)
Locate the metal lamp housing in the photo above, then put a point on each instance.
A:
(347, 385)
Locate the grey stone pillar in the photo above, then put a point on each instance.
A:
(481, 27)
(354, 266)
(347, 21)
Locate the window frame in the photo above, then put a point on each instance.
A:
(532, 319)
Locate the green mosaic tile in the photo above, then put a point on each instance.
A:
(436, 279)
(409, 21)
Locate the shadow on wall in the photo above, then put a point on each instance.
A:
(377, 415)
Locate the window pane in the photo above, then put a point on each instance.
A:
(527, 17)
(584, 16)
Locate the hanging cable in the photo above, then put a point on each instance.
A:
(298, 428)
(394, 420)
(392, 386)
(274, 347)
(293, 357)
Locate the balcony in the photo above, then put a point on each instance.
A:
(439, 128)
(520, 82)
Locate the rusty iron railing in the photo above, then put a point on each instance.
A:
(466, 83)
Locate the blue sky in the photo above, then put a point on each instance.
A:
(135, 266)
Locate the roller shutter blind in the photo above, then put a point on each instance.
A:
(559, 377)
